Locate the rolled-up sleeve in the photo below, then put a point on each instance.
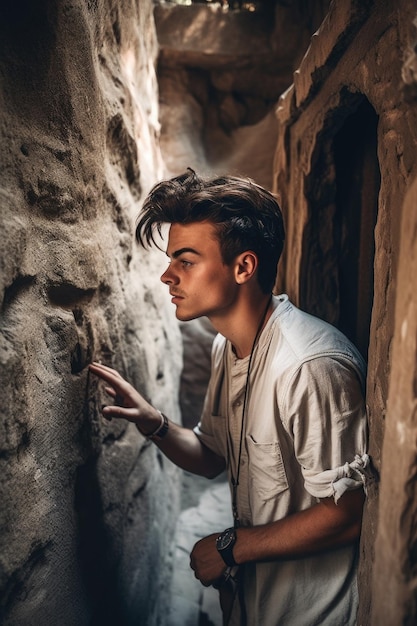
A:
(334, 482)
(326, 416)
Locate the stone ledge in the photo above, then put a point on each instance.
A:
(210, 31)
(328, 44)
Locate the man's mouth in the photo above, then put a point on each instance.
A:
(176, 297)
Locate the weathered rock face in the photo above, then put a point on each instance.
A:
(344, 164)
(395, 556)
(395, 559)
(87, 508)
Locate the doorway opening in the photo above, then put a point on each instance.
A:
(337, 271)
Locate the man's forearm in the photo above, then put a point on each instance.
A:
(325, 526)
(183, 448)
(179, 444)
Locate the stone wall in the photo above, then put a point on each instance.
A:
(345, 168)
(87, 507)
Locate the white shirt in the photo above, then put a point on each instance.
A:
(305, 438)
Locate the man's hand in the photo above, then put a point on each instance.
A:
(206, 561)
(180, 445)
(129, 404)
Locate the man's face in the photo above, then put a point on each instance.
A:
(198, 280)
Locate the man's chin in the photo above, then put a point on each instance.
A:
(184, 317)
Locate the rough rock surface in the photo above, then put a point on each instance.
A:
(395, 546)
(395, 559)
(344, 164)
(87, 508)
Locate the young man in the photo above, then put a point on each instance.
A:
(284, 411)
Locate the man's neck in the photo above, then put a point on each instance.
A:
(245, 323)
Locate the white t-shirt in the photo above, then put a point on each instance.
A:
(305, 437)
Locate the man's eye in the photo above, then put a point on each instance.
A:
(185, 263)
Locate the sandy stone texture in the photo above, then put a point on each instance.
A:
(87, 507)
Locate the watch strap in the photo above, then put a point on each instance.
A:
(226, 551)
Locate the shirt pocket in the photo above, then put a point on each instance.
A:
(267, 476)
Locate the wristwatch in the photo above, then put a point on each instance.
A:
(224, 545)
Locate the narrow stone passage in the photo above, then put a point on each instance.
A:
(206, 509)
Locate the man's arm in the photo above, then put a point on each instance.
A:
(325, 526)
(180, 445)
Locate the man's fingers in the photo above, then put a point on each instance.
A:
(119, 411)
(112, 377)
(118, 399)
(99, 369)
(102, 366)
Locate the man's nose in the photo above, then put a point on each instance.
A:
(168, 277)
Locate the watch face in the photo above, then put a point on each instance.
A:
(226, 539)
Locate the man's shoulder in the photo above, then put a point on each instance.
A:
(305, 337)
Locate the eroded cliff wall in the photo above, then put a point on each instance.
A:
(345, 169)
(87, 507)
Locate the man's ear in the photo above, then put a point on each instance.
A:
(246, 265)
